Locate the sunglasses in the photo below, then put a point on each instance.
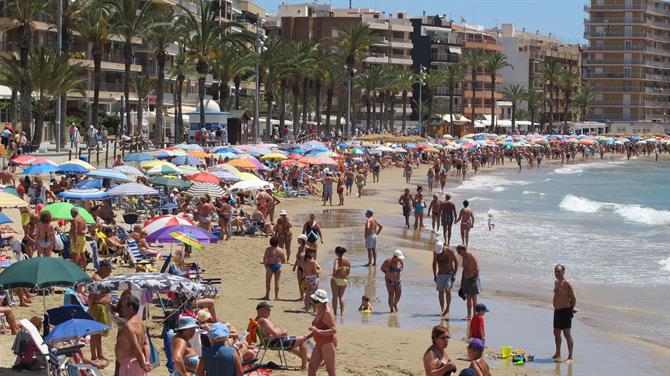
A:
(443, 337)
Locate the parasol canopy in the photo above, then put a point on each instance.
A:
(155, 282)
(41, 272)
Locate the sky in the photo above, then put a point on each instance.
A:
(562, 18)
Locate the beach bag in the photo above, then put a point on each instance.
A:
(154, 354)
(58, 242)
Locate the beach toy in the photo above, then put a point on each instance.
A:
(518, 360)
(366, 311)
(505, 352)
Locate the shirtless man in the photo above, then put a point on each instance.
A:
(469, 278)
(372, 229)
(407, 172)
(282, 230)
(132, 347)
(448, 214)
(6, 177)
(407, 202)
(564, 310)
(78, 232)
(204, 212)
(327, 195)
(348, 180)
(467, 219)
(445, 266)
(443, 180)
(296, 345)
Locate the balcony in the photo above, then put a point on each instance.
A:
(401, 43)
(376, 57)
(613, 21)
(613, 75)
(401, 59)
(615, 48)
(382, 42)
(614, 34)
(612, 62)
(618, 7)
(483, 45)
(445, 58)
(657, 77)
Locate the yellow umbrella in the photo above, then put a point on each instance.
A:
(242, 163)
(157, 162)
(80, 163)
(247, 176)
(10, 201)
(275, 156)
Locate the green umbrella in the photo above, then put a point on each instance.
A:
(42, 272)
(170, 182)
(61, 210)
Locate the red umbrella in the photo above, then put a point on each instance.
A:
(162, 221)
(290, 163)
(295, 156)
(31, 159)
(205, 177)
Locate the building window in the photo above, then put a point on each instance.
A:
(628, 45)
(626, 71)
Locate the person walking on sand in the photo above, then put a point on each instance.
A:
(372, 230)
(448, 214)
(132, 348)
(327, 195)
(467, 219)
(360, 182)
(564, 310)
(283, 232)
(469, 278)
(391, 269)
(324, 333)
(434, 214)
(340, 189)
(430, 179)
(407, 172)
(443, 179)
(348, 180)
(407, 202)
(419, 206)
(338, 282)
(311, 270)
(445, 266)
(273, 259)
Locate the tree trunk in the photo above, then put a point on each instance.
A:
(551, 109)
(14, 107)
(237, 80)
(179, 118)
(63, 99)
(268, 119)
(25, 44)
(160, 98)
(295, 112)
(566, 109)
(451, 106)
(224, 95)
(493, 103)
(140, 112)
(39, 124)
(127, 57)
(513, 116)
(97, 68)
(201, 99)
(429, 95)
(532, 119)
(282, 105)
(368, 119)
(404, 111)
(304, 104)
(317, 102)
(374, 114)
(474, 91)
(329, 104)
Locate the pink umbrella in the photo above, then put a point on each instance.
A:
(163, 221)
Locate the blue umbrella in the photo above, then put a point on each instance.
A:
(343, 145)
(188, 147)
(72, 168)
(138, 157)
(75, 328)
(106, 173)
(227, 149)
(84, 194)
(10, 190)
(132, 189)
(225, 175)
(66, 312)
(40, 169)
(226, 154)
(197, 233)
(4, 218)
(89, 183)
(186, 160)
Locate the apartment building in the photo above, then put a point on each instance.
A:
(627, 59)
(529, 53)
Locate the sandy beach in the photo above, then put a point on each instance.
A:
(382, 343)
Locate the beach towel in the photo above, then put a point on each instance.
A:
(251, 329)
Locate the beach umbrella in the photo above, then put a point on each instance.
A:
(312, 144)
(186, 160)
(198, 154)
(128, 170)
(61, 210)
(187, 170)
(42, 272)
(226, 167)
(154, 282)
(74, 329)
(243, 163)
(91, 183)
(70, 168)
(201, 189)
(154, 163)
(384, 149)
(295, 156)
(4, 219)
(274, 157)
(169, 182)
(187, 239)
(84, 194)
(188, 147)
(244, 176)
(204, 177)
(291, 163)
(132, 189)
(66, 312)
(250, 186)
(226, 154)
(81, 163)
(40, 169)
(164, 170)
(107, 173)
(31, 159)
(310, 160)
(162, 221)
(288, 146)
(225, 175)
(138, 157)
(226, 149)
(9, 189)
(8, 200)
(163, 235)
(166, 153)
(399, 150)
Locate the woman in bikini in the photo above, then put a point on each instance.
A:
(225, 212)
(311, 272)
(184, 356)
(340, 188)
(44, 235)
(475, 350)
(283, 232)
(312, 230)
(299, 264)
(272, 259)
(338, 283)
(431, 179)
(436, 361)
(324, 333)
(419, 206)
(391, 269)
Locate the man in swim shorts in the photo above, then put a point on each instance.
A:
(78, 232)
(445, 266)
(372, 229)
(131, 351)
(448, 213)
(281, 339)
(469, 278)
(407, 202)
(564, 309)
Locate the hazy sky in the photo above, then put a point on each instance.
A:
(563, 18)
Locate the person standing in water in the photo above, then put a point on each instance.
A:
(273, 259)
(434, 214)
(391, 269)
(448, 214)
(338, 282)
(407, 172)
(467, 219)
(564, 310)
(407, 202)
(469, 278)
(445, 266)
(372, 230)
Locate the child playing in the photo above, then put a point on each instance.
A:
(492, 224)
(365, 304)
(477, 323)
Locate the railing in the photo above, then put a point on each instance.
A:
(626, 6)
(401, 40)
(614, 34)
(401, 57)
(658, 77)
(378, 55)
(615, 20)
(616, 48)
(613, 75)
(108, 86)
(612, 61)
(445, 91)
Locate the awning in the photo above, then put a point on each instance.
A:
(455, 50)
(5, 92)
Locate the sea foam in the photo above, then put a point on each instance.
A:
(579, 168)
(629, 212)
(665, 264)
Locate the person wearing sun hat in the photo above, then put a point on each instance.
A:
(392, 268)
(183, 355)
(475, 351)
(324, 333)
(220, 359)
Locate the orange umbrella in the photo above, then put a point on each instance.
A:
(198, 154)
(242, 163)
(204, 177)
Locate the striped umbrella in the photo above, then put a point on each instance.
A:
(186, 160)
(225, 175)
(162, 221)
(188, 170)
(81, 163)
(138, 157)
(10, 201)
(187, 239)
(169, 182)
(71, 168)
(151, 164)
(31, 159)
(164, 170)
(200, 189)
(132, 189)
(84, 194)
(188, 147)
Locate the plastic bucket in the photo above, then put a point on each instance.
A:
(505, 351)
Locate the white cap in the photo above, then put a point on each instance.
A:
(439, 247)
(398, 253)
(282, 212)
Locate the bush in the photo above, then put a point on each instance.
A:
(111, 122)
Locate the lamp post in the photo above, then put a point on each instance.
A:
(257, 130)
(422, 76)
(59, 38)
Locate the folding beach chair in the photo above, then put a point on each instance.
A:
(70, 296)
(135, 258)
(81, 369)
(263, 347)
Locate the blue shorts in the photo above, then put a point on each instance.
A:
(273, 267)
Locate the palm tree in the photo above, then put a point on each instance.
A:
(236, 62)
(584, 99)
(551, 75)
(144, 87)
(179, 70)
(515, 94)
(50, 75)
(25, 12)
(94, 27)
(474, 59)
(404, 83)
(308, 54)
(494, 63)
(454, 74)
(271, 71)
(433, 79)
(569, 82)
(333, 74)
(533, 98)
(130, 19)
(10, 76)
(369, 83)
(160, 35)
(354, 42)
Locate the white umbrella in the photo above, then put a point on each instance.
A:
(129, 170)
(132, 189)
(201, 189)
(250, 185)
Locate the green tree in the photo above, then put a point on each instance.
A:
(144, 88)
(333, 75)
(585, 99)
(129, 19)
(271, 71)
(515, 94)
(454, 75)
(433, 79)
(494, 63)
(369, 83)
(533, 98)
(235, 63)
(569, 82)
(10, 76)
(474, 59)
(405, 81)
(551, 75)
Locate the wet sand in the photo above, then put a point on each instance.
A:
(382, 343)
